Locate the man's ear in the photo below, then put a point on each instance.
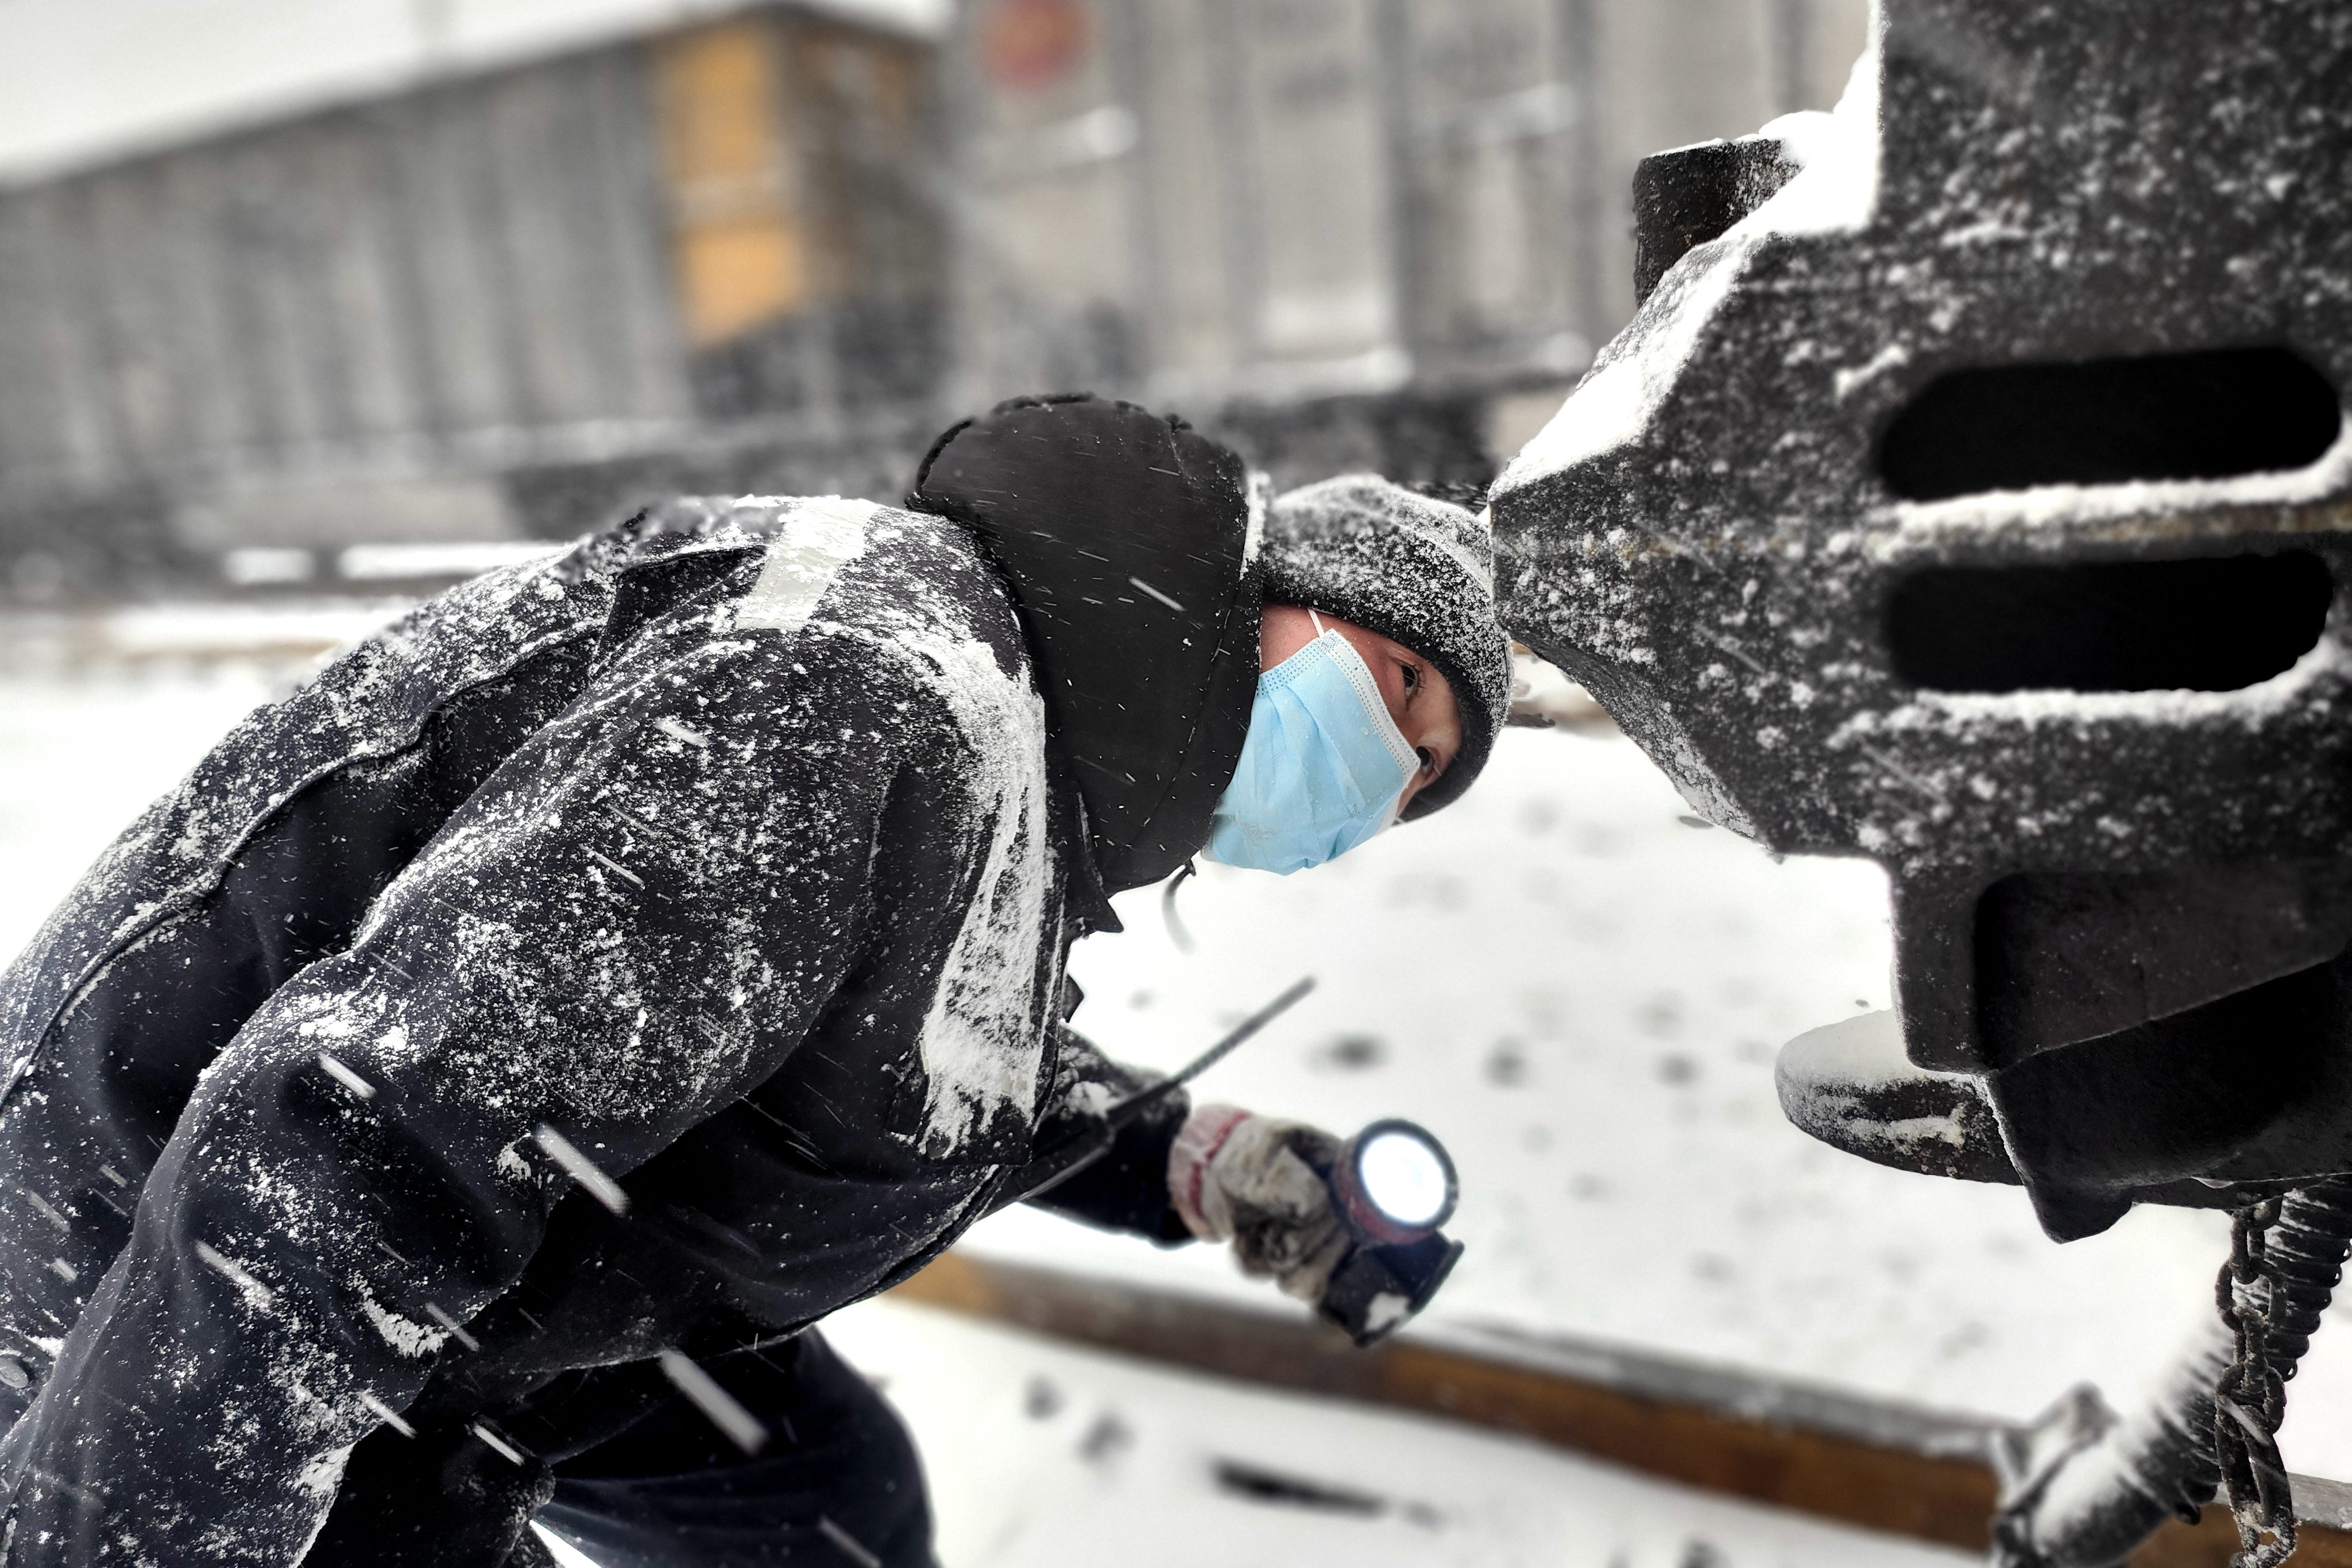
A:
(1283, 630)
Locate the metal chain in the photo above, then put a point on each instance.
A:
(2250, 1400)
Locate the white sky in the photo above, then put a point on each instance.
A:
(85, 80)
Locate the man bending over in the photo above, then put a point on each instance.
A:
(493, 1055)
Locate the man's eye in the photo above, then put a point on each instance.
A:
(1412, 676)
(1428, 758)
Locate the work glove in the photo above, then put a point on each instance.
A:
(1264, 1185)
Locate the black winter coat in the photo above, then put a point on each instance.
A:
(736, 850)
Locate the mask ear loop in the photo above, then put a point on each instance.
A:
(1396, 812)
(1176, 931)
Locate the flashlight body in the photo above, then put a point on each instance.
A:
(1377, 1289)
(1395, 1268)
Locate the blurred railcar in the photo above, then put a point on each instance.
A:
(1372, 233)
(488, 305)
(776, 248)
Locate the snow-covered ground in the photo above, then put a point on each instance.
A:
(1576, 987)
(1041, 1455)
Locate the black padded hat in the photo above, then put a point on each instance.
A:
(1418, 570)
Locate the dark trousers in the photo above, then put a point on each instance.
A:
(836, 1485)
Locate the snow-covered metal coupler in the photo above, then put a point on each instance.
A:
(1971, 493)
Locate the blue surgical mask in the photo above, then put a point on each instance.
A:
(1322, 766)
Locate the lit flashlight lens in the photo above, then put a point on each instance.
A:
(1406, 1177)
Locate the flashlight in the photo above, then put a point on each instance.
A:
(1395, 1184)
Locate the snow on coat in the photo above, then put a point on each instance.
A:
(663, 941)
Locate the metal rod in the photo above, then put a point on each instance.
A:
(1127, 1109)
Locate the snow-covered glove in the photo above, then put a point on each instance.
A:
(1264, 1185)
